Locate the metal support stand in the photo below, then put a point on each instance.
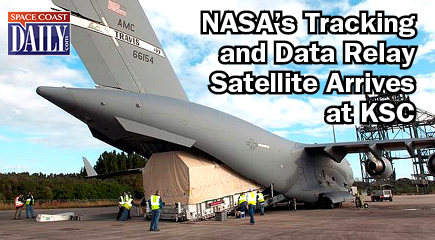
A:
(422, 127)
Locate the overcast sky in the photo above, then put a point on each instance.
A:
(37, 136)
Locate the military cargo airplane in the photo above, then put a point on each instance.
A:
(140, 106)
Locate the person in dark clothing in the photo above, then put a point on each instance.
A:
(156, 205)
(143, 206)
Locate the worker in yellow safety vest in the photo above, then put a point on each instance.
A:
(129, 204)
(156, 205)
(252, 202)
(121, 204)
(19, 203)
(242, 204)
(30, 201)
(260, 198)
(125, 203)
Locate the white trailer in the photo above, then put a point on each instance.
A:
(381, 195)
(199, 211)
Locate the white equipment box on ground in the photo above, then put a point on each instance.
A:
(56, 217)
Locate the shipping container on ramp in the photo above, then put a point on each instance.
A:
(193, 186)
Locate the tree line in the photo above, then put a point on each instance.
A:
(400, 186)
(110, 162)
(75, 185)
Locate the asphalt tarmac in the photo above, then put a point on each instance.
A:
(407, 217)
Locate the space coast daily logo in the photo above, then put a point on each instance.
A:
(39, 33)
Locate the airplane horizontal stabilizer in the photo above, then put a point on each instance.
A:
(90, 172)
(117, 174)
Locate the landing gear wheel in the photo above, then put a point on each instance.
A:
(308, 205)
(327, 203)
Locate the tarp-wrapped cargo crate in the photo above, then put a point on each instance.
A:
(186, 179)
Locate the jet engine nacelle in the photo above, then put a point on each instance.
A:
(431, 164)
(378, 168)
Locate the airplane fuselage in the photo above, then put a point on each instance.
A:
(250, 150)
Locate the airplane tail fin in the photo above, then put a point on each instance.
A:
(119, 48)
(90, 172)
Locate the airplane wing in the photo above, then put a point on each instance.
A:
(119, 48)
(337, 151)
(116, 174)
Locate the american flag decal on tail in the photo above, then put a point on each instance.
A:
(118, 8)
